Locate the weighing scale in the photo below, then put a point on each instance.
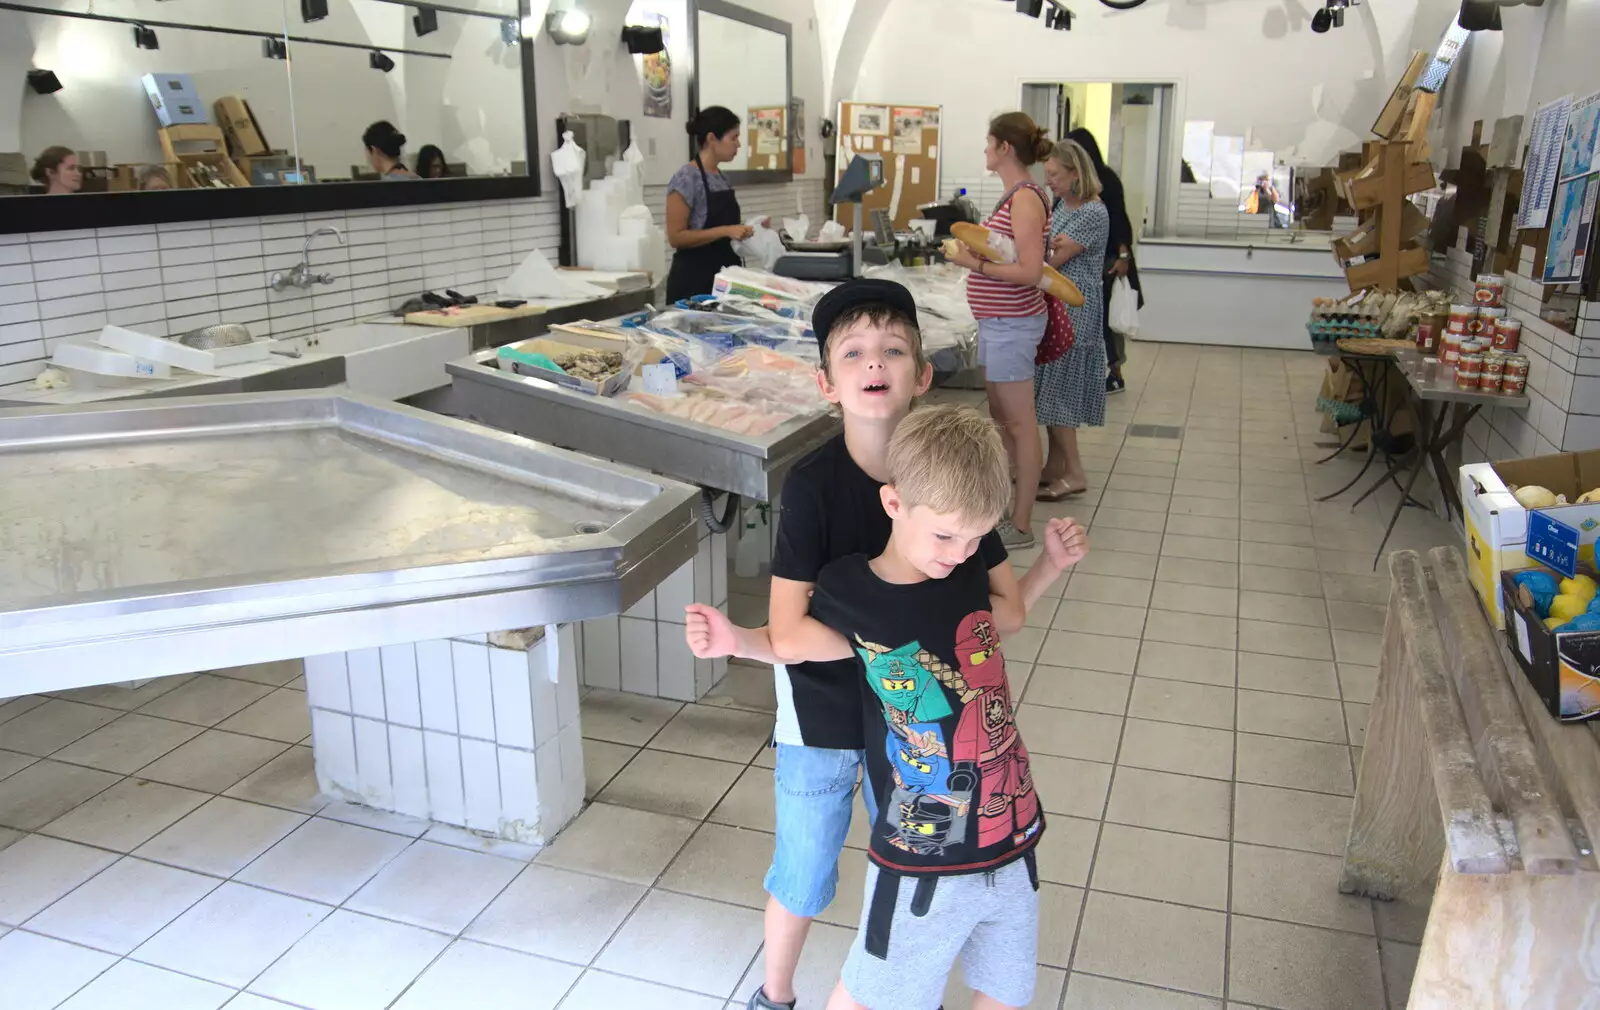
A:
(832, 261)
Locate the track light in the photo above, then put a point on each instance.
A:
(1032, 8)
(145, 38)
(1331, 15)
(380, 61)
(274, 49)
(1058, 17)
(568, 27)
(1479, 16)
(643, 39)
(313, 10)
(425, 21)
(45, 82)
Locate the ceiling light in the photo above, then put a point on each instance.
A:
(313, 10)
(145, 38)
(274, 49)
(567, 28)
(1058, 17)
(45, 82)
(380, 61)
(425, 21)
(1032, 8)
(1478, 16)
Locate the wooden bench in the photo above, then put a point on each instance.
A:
(1470, 789)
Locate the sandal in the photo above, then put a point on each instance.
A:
(1058, 492)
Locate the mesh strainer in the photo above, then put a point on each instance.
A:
(211, 337)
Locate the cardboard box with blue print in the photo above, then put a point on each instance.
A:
(174, 99)
(1553, 627)
(1496, 522)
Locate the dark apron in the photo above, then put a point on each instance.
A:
(694, 271)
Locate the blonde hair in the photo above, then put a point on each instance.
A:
(951, 459)
(1071, 155)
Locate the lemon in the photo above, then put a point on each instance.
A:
(1579, 585)
(1554, 622)
(1567, 607)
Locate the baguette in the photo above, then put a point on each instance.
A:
(999, 249)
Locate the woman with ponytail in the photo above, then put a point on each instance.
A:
(702, 211)
(1010, 308)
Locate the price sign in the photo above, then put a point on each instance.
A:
(660, 380)
(1552, 543)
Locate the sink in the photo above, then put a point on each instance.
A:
(387, 360)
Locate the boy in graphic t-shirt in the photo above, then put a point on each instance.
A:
(952, 869)
(872, 369)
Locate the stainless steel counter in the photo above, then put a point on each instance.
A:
(157, 537)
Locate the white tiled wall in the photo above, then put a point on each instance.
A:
(455, 730)
(170, 278)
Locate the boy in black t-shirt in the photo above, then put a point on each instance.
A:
(953, 836)
(873, 368)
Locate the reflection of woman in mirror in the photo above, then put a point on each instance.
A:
(1119, 252)
(383, 144)
(702, 211)
(57, 171)
(152, 177)
(430, 163)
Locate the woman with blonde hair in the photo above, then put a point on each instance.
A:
(1010, 308)
(1070, 392)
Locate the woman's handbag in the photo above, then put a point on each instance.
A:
(1058, 332)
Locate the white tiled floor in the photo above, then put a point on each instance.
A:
(1194, 698)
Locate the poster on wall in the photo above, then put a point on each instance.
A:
(1545, 140)
(767, 132)
(797, 135)
(1580, 154)
(908, 131)
(1571, 229)
(657, 68)
(872, 120)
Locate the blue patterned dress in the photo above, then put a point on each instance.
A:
(1070, 392)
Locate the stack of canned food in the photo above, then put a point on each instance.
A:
(1478, 341)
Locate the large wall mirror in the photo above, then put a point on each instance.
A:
(136, 111)
(743, 62)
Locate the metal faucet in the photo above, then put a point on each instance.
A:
(301, 276)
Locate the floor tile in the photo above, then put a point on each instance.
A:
(556, 913)
(1298, 887)
(1147, 941)
(690, 943)
(1067, 733)
(41, 972)
(11, 762)
(1090, 652)
(1060, 908)
(288, 780)
(1104, 618)
(129, 985)
(1355, 720)
(126, 815)
(1069, 786)
(1130, 519)
(1123, 564)
(371, 817)
(1190, 629)
(1180, 545)
(206, 700)
(1084, 690)
(1291, 715)
(123, 906)
(1291, 819)
(1399, 967)
(274, 674)
(1047, 986)
(7, 836)
(749, 803)
(1288, 675)
(1168, 802)
(1091, 992)
(471, 974)
(724, 734)
(1216, 508)
(1266, 579)
(598, 990)
(1203, 526)
(821, 958)
(1358, 683)
(1108, 589)
(1181, 702)
(13, 707)
(1163, 866)
(40, 793)
(1023, 645)
(282, 715)
(724, 864)
(128, 744)
(351, 962)
(52, 726)
(324, 860)
(1344, 615)
(35, 871)
(670, 783)
(1372, 589)
(221, 836)
(1135, 541)
(123, 698)
(625, 718)
(213, 762)
(601, 762)
(232, 934)
(1216, 574)
(1171, 747)
(1295, 764)
(1192, 663)
(1283, 608)
(1283, 556)
(434, 886)
(1284, 639)
(1137, 501)
(1357, 647)
(631, 845)
(1301, 968)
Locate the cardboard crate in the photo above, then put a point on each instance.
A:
(174, 98)
(513, 357)
(1564, 669)
(1497, 527)
(238, 122)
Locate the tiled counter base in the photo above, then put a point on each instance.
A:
(459, 730)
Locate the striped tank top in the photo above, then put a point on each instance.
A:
(996, 299)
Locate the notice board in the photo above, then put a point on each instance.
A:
(907, 136)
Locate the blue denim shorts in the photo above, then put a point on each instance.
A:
(1007, 347)
(814, 788)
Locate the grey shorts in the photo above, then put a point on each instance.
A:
(992, 922)
(1007, 347)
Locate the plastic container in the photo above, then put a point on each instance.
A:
(98, 360)
(170, 352)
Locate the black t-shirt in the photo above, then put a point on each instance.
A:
(830, 509)
(955, 793)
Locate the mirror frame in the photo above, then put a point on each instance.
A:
(34, 213)
(733, 12)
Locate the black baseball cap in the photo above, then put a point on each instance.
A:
(854, 294)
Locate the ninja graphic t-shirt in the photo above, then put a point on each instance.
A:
(947, 764)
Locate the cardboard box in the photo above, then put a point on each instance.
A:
(1497, 527)
(1564, 669)
(175, 99)
(245, 138)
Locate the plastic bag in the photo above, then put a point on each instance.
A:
(831, 231)
(567, 162)
(797, 227)
(1124, 309)
(762, 249)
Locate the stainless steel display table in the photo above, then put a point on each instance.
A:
(643, 651)
(162, 537)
